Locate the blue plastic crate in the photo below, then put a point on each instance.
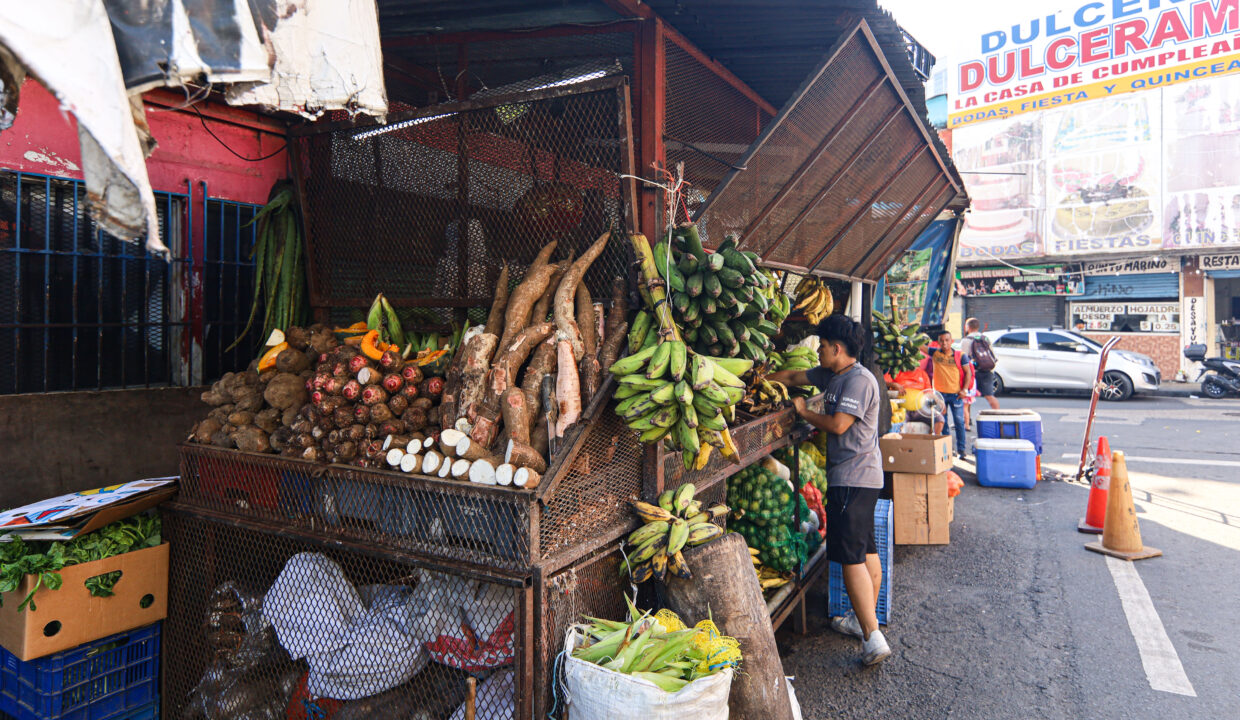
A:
(116, 678)
(837, 597)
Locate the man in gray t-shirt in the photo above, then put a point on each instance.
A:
(853, 459)
(854, 471)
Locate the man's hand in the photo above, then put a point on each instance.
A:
(799, 404)
(963, 394)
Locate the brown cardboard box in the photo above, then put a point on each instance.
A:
(70, 616)
(921, 509)
(909, 453)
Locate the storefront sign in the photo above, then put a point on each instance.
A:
(1141, 266)
(1096, 50)
(1218, 262)
(1034, 280)
(1128, 317)
(1193, 330)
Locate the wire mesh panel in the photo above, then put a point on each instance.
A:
(708, 123)
(427, 208)
(273, 626)
(590, 505)
(594, 586)
(458, 522)
(835, 173)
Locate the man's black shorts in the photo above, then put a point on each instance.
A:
(850, 524)
(986, 383)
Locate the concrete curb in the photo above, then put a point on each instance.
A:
(1177, 390)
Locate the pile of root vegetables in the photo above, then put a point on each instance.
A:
(512, 390)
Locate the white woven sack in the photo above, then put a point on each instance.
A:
(596, 693)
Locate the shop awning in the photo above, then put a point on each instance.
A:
(845, 177)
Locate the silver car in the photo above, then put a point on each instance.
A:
(1057, 359)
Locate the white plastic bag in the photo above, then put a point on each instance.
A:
(596, 693)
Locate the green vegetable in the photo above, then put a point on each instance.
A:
(19, 558)
(279, 267)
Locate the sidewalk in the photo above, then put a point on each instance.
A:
(1177, 389)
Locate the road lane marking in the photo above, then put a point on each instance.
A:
(1162, 665)
(1175, 461)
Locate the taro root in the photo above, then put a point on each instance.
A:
(220, 438)
(317, 397)
(398, 404)
(391, 361)
(411, 374)
(319, 381)
(361, 414)
(374, 394)
(335, 437)
(343, 416)
(312, 453)
(391, 427)
(410, 391)
(289, 416)
(434, 416)
(380, 412)
(393, 383)
(281, 438)
(251, 439)
(424, 404)
(285, 390)
(268, 420)
(330, 404)
(352, 390)
(355, 432)
(346, 451)
(333, 385)
(357, 362)
(297, 337)
(302, 426)
(431, 387)
(415, 419)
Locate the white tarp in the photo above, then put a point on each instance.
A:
(69, 47)
(325, 55)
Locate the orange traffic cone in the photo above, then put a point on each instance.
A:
(1096, 509)
(1121, 535)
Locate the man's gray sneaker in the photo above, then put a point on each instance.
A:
(875, 649)
(847, 625)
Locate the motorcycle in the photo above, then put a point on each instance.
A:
(1219, 377)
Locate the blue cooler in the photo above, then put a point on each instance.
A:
(1011, 425)
(1006, 463)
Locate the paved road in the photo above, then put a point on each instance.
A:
(1014, 619)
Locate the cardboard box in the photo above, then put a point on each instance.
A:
(922, 512)
(909, 453)
(70, 616)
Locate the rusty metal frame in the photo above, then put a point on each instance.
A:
(478, 36)
(911, 206)
(886, 256)
(865, 207)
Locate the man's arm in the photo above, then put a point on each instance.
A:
(791, 378)
(836, 424)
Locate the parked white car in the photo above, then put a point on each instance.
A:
(1057, 359)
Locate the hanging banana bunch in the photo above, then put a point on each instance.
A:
(815, 299)
(897, 349)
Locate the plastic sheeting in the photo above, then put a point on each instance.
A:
(69, 47)
(934, 246)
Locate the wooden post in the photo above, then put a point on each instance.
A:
(724, 587)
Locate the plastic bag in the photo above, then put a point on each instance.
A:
(595, 693)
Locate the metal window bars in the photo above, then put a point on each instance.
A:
(84, 310)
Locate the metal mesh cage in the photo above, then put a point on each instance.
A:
(428, 207)
(708, 123)
(268, 624)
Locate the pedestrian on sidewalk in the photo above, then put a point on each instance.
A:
(976, 348)
(951, 375)
(854, 471)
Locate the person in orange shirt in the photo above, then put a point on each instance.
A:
(952, 376)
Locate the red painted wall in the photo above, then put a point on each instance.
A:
(44, 140)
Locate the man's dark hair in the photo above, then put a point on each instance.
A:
(941, 333)
(845, 331)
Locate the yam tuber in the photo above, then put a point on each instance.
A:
(482, 472)
(514, 409)
(522, 455)
(542, 308)
(249, 400)
(292, 360)
(516, 317)
(495, 319)
(509, 360)
(587, 323)
(285, 391)
(526, 478)
(205, 429)
(567, 388)
(289, 416)
(611, 347)
(563, 304)
(474, 369)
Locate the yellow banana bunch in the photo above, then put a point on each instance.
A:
(814, 298)
(676, 522)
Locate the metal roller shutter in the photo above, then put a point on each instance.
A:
(996, 313)
(1152, 286)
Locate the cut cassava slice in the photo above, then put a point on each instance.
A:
(410, 463)
(503, 474)
(482, 472)
(460, 469)
(522, 455)
(526, 478)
